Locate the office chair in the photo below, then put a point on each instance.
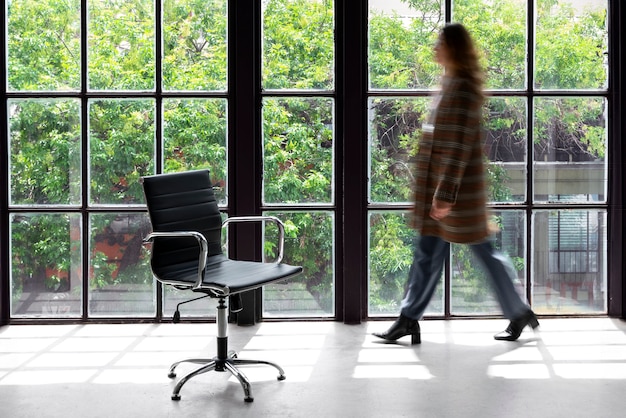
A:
(187, 253)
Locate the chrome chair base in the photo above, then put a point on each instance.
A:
(221, 365)
(224, 361)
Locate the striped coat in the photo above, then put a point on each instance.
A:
(450, 167)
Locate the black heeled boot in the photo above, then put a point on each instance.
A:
(402, 327)
(516, 326)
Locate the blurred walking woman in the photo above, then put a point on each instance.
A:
(450, 193)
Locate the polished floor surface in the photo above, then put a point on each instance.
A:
(569, 368)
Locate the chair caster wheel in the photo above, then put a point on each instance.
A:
(281, 377)
(248, 399)
(176, 397)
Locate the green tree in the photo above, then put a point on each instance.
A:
(121, 44)
(193, 44)
(298, 49)
(44, 45)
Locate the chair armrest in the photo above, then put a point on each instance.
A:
(278, 222)
(202, 242)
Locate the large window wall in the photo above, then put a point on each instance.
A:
(298, 131)
(101, 93)
(546, 140)
(309, 110)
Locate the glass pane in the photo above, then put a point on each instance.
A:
(499, 30)
(121, 44)
(308, 243)
(390, 258)
(45, 152)
(46, 275)
(570, 261)
(471, 288)
(394, 131)
(298, 158)
(44, 45)
(194, 45)
(571, 44)
(298, 44)
(202, 308)
(120, 280)
(194, 134)
(121, 134)
(570, 138)
(505, 124)
(401, 39)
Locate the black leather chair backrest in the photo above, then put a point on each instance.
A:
(182, 202)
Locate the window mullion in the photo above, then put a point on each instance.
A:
(354, 152)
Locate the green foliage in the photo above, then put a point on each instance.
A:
(298, 150)
(570, 47)
(121, 44)
(470, 281)
(498, 177)
(571, 129)
(45, 156)
(42, 243)
(400, 55)
(121, 149)
(298, 48)
(193, 45)
(395, 130)
(194, 134)
(499, 31)
(309, 243)
(390, 256)
(44, 45)
(103, 271)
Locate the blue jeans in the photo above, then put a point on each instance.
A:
(430, 253)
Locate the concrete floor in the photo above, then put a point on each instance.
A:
(569, 368)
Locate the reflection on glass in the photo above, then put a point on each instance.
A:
(298, 135)
(570, 150)
(43, 45)
(401, 39)
(308, 243)
(506, 147)
(194, 45)
(571, 44)
(45, 265)
(390, 257)
(121, 44)
(121, 141)
(298, 44)
(45, 153)
(194, 134)
(120, 281)
(471, 292)
(499, 30)
(569, 268)
(394, 131)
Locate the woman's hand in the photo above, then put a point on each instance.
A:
(439, 209)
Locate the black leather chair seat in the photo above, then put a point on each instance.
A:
(235, 275)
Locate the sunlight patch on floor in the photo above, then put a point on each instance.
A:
(392, 371)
